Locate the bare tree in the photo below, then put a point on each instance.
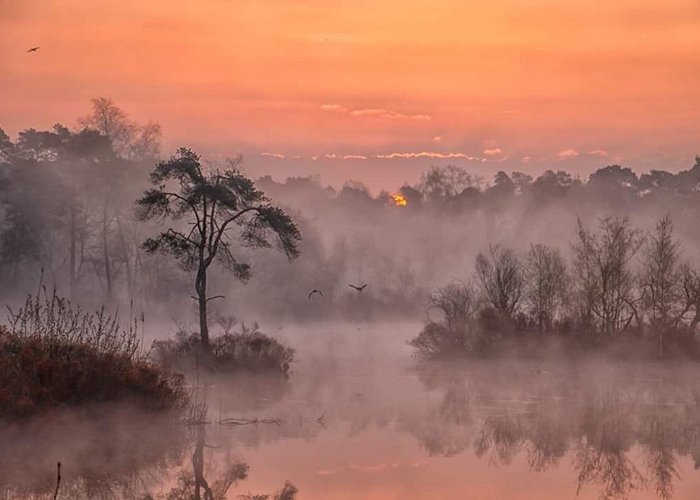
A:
(129, 139)
(500, 276)
(545, 294)
(456, 303)
(451, 334)
(661, 280)
(441, 183)
(605, 279)
(691, 297)
(215, 204)
(111, 121)
(145, 143)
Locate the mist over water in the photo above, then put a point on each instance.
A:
(359, 418)
(590, 392)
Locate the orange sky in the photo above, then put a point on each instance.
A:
(503, 84)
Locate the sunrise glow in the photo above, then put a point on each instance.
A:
(370, 84)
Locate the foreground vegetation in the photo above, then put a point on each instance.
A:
(52, 354)
(623, 290)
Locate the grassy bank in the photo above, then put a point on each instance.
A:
(53, 353)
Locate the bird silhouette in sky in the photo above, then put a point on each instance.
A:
(358, 288)
(315, 290)
(33, 49)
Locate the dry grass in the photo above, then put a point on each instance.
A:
(55, 354)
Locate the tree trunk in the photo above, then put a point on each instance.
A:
(127, 259)
(105, 255)
(694, 323)
(201, 288)
(198, 462)
(73, 249)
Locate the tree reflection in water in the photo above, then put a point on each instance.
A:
(192, 484)
(622, 433)
(621, 427)
(119, 452)
(110, 451)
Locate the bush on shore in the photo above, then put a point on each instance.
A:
(465, 326)
(53, 353)
(454, 332)
(607, 298)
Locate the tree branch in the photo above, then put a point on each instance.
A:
(222, 229)
(192, 206)
(180, 235)
(209, 298)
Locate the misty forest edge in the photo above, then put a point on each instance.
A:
(73, 189)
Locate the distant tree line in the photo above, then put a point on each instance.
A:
(452, 187)
(67, 205)
(66, 197)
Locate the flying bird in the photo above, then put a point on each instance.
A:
(315, 290)
(358, 288)
(33, 49)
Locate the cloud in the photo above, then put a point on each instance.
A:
(334, 107)
(568, 153)
(408, 155)
(429, 154)
(400, 116)
(367, 112)
(376, 112)
(598, 152)
(437, 139)
(493, 152)
(391, 115)
(525, 159)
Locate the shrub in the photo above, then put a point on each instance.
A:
(248, 350)
(438, 341)
(55, 320)
(54, 353)
(455, 332)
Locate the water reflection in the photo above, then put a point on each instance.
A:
(192, 481)
(363, 430)
(120, 452)
(622, 432)
(227, 471)
(111, 451)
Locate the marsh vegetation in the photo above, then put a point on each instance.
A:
(53, 353)
(604, 299)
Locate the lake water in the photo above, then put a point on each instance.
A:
(360, 418)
